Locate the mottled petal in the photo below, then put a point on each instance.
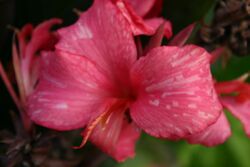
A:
(70, 92)
(104, 37)
(215, 134)
(175, 94)
(116, 137)
(239, 109)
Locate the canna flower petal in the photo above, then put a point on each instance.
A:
(240, 109)
(181, 38)
(41, 37)
(156, 10)
(23, 36)
(117, 137)
(103, 36)
(227, 87)
(215, 134)
(175, 93)
(137, 24)
(70, 92)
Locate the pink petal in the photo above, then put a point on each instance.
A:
(156, 10)
(228, 87)
(137, 24)
(126, 142)
(156, 22)
(175, 93)
(70, 92)
(117, 138)
(215, 134)
(103, 36)
(154, 41)
(16, 61)
(142, 7)
(240, 110)
(181, 38)
(41, 37)
(23, 36)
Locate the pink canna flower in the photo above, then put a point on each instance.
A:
(95, 80)
(26, 61)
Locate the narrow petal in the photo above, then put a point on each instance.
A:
(181, 38)
(23, 38)
(155, 40)
(240, 110)
(116, 137)
(216, 53)
(70, 92)
(215, 134)
(18, 75)
(103, 36)
(40, 38)
(237, 87)
(228, 87)
(175, 92)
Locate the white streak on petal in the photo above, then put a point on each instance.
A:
(175, 103)
(83, 32)
(180, 61)
(63, 106)
(192, 106)
(155, 102)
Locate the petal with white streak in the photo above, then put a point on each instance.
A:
(70, 92)
(175, 94)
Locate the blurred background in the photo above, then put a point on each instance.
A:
(150, 152)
